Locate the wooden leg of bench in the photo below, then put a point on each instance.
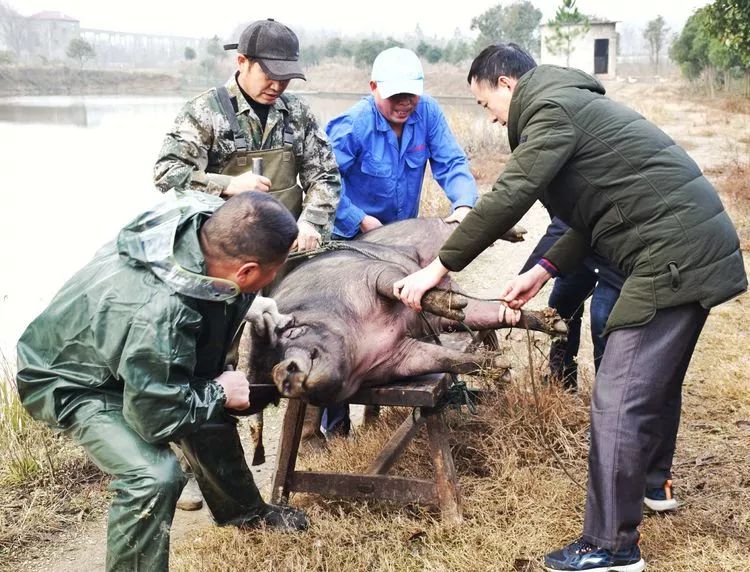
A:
(291, 433)
(446, 480)
(396, 444)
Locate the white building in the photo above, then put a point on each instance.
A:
(595, 52)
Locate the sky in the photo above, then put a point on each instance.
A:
(344, 17)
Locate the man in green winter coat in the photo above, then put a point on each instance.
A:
(129, 356)
(632, 195)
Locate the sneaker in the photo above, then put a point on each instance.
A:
(660, 499)
(281, 518)
(191, 497)
(580, 555)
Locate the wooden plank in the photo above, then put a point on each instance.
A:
(422, 391)
(446, 480)
(286, 460)
(396, 444)
(374, 487)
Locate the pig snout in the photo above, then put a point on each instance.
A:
(291, 374)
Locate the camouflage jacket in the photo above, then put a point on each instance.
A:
(201, 142)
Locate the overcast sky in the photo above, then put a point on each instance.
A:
(348, 17)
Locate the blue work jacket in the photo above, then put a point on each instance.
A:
(382, 176)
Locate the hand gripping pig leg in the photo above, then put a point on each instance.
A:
(438, 301)
(476, 314)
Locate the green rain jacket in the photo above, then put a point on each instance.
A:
(623, 186)
(140, 328)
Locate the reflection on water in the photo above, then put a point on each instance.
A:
(75, 170)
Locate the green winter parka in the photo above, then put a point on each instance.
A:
(140, 328)
(625, 188)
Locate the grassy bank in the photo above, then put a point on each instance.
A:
(20, 80)
(47, 485)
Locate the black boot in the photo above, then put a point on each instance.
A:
(281, 518)
(218, 462)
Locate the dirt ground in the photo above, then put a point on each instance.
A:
(716, 138)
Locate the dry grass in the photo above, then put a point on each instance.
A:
(503, 469)
(46, 483)
(734, 184)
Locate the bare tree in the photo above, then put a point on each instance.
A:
(655, 34)
(14, 28)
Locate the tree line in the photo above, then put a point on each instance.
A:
(714, 45)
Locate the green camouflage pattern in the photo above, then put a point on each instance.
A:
(196, 151)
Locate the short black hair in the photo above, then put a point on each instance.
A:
(500, 59)
(251, 224)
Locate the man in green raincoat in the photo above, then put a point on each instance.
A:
(129, 356)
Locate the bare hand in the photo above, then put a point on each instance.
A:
(369, 223)
(524, 287)
(236, 388)
(411, 289)
(265, 319)
(308, 238)
(247, 182)
(508, 316)
(458, 214)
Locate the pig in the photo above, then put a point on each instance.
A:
(348, 329)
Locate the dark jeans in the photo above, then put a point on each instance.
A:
(635, 414)
(568, 297)
(336, 420)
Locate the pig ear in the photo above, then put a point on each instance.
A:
(292, 333)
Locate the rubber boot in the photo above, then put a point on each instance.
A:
(218, 462)
(191, 497)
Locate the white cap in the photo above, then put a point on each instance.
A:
(397, 70)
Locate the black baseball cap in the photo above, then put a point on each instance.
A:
(275, 47)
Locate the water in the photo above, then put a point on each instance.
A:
(76, 169)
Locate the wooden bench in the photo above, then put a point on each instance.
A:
(424, 395)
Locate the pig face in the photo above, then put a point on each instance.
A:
(315, 362)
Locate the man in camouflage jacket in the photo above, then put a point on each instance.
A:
(204, 150)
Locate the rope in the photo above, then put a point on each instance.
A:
(332, 246)
(458, 393)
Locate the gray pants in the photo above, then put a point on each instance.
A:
(635, 414)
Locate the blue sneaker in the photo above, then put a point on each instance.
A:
(660, 499)
(580, 555)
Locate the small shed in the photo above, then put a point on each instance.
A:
(594, 52)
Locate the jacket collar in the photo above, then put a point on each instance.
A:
(242, 105)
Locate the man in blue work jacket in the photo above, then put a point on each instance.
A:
(383, 143)
(382, 146)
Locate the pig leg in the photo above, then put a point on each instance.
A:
(441, 302)
(485, 315)
(418, 358)
(476, 314)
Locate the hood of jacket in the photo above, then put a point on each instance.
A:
(165, 240)
(539, 85)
